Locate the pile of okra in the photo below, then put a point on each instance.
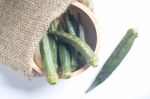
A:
(64, 49)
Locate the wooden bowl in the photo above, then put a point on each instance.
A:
(91, 33)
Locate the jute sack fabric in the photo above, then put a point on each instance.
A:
(22, 24)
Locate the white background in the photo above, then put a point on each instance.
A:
(131, 80)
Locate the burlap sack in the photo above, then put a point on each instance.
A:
(22, 24)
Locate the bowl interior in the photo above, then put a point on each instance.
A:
(90, 34)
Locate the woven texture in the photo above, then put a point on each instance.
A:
(22, 24)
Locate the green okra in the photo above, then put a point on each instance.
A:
(73, 21)
(47, 59)
(79, 45)
(81, 35)
(73, 52)
(52, 26)
(63, 25)
(80, 28)
(69, 25)
(115, 59)
(64, 58)
(53, 43)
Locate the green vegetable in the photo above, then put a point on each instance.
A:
(47, 59)
(115, 59)
(53, 42)
(64, 58)
(81, 33)
(52, 26)
(79, 45)
(69, 25)
(63, 25)
(73, 52)
(78, 25)
(73, 21)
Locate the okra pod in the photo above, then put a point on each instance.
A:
(53, 27)
(64, 58)
(79, 45)
(81, 35)
(73, 52)
(69, 24)
(115, 59)
(73, 21)
(47, 59)
(80, 28)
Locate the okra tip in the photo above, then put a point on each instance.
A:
(65, 75)
(52, 79)
(94, 61)
(90, 88)
(87, 90)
